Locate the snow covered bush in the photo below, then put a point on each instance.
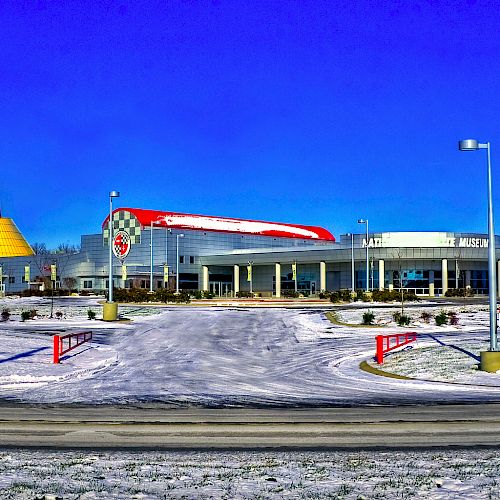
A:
(401, 319)
(453, 318)
(5, 314)
(368, 318)
(441, 319)
(426, 317)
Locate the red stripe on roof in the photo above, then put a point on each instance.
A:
(176, 220)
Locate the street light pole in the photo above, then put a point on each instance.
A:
(167, 230)
(151, 260)
(352, 262)
(488, 362)
(365, 221)
(177, 265)
(112, 194)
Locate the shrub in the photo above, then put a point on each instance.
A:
(426, 317)
(453, 318)
(368, 318)
(197, 294)
(410, 296)
(162, 295)
(244, 295)
(459, 292)
(363, 296)
(59, 314)
(335, 297)
(393, 296)
(5, 314)
(403, 320)
(324, 295)
(385, 295)
(183, 297)
(207, 295)
(345, 295)
(441, 319)
(290, 294)
(25, 315)
(33, 314)
(91, 314)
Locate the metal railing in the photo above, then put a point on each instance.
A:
(384, 343)
(72, 341)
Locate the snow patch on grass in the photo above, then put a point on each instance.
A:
(448, 474)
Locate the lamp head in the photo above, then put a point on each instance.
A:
(114, 194)
(468, 145)
(361, 221)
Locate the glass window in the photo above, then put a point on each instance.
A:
(181, 259)
(12, 279)
(191, 259)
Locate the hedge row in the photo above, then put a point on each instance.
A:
(142, 295)
(375, 295)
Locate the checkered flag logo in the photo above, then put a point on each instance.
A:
(123, 220)
(121, 244)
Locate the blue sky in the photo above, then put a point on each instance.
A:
(313, 112)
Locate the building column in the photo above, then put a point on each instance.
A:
(432, 292)
(236, 279)
(467, 279)
(444, 275)
(322, 276)
(381, 275)
(391, 281)
(204, 279)
(277, 271)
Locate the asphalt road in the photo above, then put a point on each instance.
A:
(160, 427)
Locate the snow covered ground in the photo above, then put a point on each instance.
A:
(236, 356)
(437, 474)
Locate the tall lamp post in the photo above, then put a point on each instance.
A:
(352, 261)
(110, 309)
(365, 221)
(177, 264)
(151, 259)
(490, 360)
(167, 230)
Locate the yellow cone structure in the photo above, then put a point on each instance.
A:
(12, 242)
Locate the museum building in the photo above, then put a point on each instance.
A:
(155, 249)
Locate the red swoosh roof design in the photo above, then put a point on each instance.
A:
(178, 220)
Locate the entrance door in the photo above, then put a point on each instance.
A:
(313, 287)
(220, 289)
(215, 288)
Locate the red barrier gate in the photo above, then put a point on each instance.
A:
(384, 343)
(73, 340)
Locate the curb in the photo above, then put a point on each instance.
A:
(375, 371)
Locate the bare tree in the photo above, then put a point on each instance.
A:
(399, 258)
(40, 248)
(67, 248)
